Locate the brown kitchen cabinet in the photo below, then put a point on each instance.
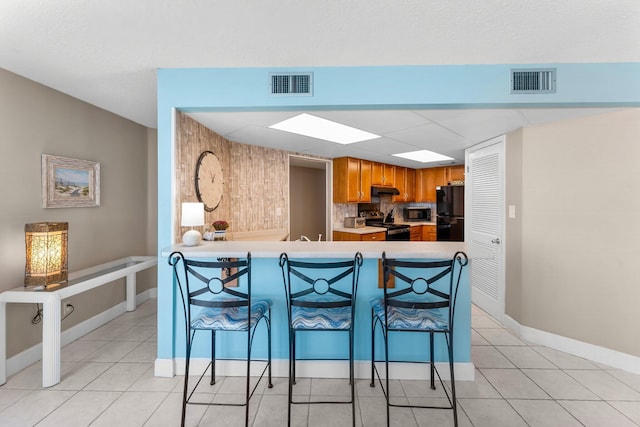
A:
(369, 237)
(428, 179)
(351, 180)
(454, 174)
(429, 233)
(426, 182)
(405, 182)
(382, 174)
(415, 232)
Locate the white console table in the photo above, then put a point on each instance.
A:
(80, 281)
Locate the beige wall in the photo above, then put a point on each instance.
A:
(308, 202)
(580, 230)
(36, 120)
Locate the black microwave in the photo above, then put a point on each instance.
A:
(417, 214)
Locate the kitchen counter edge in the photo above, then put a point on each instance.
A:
(346, 249)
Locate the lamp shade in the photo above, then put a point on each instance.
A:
(192, 214)
(46, 253)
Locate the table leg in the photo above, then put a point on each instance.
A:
(131, 292)
(3, 342)
(51, 326)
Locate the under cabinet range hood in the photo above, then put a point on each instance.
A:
(383, 191)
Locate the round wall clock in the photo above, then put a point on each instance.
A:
(209, 180)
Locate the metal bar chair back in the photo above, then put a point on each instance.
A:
(210, 303)
(422, 299)
(320, 296)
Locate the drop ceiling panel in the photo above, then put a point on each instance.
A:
(224, 123)
(477, 125)
(434, 138)
(380, 122)
(386, 146)
(272, 138)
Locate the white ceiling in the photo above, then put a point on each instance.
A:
(106, 53)
(446, 132)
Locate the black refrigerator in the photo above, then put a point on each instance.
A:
(450, 213)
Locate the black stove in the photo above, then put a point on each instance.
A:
(387, 225)
(394, 231)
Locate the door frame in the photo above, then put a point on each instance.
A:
(480, 299)
(326, 165)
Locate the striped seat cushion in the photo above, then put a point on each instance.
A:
(230, 318)
(411, 318)
(321, 318)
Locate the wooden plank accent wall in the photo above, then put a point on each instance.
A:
(192, 139)
(256, 180)
(259, 185)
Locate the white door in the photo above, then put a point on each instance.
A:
(485, 224)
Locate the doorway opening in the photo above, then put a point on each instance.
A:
(310, 203)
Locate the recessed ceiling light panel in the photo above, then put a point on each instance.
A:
(423, 156)
(315, 127)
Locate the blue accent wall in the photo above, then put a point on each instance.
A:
(386, 87)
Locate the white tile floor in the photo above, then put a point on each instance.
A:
(107, 380)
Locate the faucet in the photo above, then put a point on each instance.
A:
(320, 237)
(304, 238)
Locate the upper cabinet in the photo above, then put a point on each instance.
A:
(351, 180)
(382, 174)
(428, 179)
(405, 182)
(426, 182)
(454, 174)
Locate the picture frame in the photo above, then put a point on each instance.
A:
(70, 183)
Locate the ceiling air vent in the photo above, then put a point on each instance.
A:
(300, 84)
(533, 80)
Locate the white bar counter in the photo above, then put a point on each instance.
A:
(302, 249)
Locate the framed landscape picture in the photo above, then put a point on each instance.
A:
(69, 183)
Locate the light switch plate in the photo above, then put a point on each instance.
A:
(512, 211)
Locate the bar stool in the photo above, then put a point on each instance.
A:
(209, 304)
(320, 296)
(423, 299)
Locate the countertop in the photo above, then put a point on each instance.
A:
(260, 236)
(271, 249)
(368, 229)
(361, 230)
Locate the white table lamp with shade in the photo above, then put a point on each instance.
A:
(192, 216)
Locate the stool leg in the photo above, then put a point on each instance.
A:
(351, 378)
(269, 346)
(247, 379)
(373, 346)
(431, 364)
(293, 352)
(454, 403)
(213, 358)
(386, 365)
(291, 362)
(186, 378)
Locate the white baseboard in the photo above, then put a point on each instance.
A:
(592, 352)
(315, 369)
(34, 354)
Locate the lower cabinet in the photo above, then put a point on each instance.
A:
(342, 236)
(429, 233)
(415, 233)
